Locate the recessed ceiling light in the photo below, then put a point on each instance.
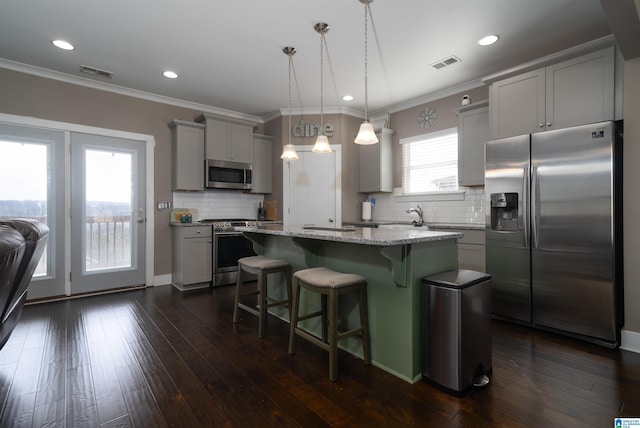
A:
(488, 40)
(347, 98)
(63, 45)
(170, 74)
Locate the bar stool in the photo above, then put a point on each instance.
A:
(261, 266)
(331, 284)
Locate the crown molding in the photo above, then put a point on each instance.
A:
(313, 111)
(585, 48)
(432, 96)
(121, 90)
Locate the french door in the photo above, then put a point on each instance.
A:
(91, 186)
(32, 184)
(107, 213)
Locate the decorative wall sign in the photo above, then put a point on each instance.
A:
(427, 117)
(308, 130)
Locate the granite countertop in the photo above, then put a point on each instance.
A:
(357, 235)
(208, 223)
(432, 226)
(192, 224)
(457, 226)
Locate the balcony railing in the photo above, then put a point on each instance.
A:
(108, 242)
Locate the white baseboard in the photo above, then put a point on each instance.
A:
(162, 279)
(630, 341)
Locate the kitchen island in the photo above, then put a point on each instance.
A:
(393, 261)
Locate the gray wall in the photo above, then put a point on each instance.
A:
(405, 123)
(27, 95)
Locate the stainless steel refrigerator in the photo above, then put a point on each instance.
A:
(554, 230)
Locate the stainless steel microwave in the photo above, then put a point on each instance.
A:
(227, 175)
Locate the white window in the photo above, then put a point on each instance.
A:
(430, 162)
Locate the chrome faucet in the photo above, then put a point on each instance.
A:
(420, 213)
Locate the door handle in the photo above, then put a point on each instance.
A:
(331, 220)
(534, 202)
(526, 186)
(141, 218)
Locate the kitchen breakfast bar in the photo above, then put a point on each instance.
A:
(393, 261)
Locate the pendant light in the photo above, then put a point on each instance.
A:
(322, 142)
(366, 134)
(289, 150)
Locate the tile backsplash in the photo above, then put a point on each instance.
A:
(219, 204)
(389, 207)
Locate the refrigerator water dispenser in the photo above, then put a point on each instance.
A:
(504, 212)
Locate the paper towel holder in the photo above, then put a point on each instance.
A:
(366, 210)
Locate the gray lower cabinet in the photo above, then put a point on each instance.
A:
(471, 248)
(262, 173)
(473, 132)
(573, 92)
(187, 155)
(192, 264)
(375, 164)
(227, 139)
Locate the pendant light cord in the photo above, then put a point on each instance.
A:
(290, 65)
(321, 82)
(366, 98)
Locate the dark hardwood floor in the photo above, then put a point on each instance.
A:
(162, 358)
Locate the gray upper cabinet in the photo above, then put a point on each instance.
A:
(187, 155)
(573, 92)
(227, 139)
(262, 169)
(473, 132)
(375, 164)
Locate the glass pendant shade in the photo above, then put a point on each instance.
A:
(289, 152)
(366, 134)
(321, 145)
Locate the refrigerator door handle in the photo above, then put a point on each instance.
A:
(526, 177)
(533, 208)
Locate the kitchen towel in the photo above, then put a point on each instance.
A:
(366, 210)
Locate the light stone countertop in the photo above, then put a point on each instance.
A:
(432, 226)
(358, 235)
(457, 226)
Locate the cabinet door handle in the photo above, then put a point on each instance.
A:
(549, 124)
(541, 125)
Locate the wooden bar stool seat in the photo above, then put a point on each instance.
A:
(329, 284)
(261, 266)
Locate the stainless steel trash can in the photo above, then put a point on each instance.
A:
(456, 330)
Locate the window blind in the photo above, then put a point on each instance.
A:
(430, 162)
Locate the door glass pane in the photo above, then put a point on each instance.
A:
(108, 209)
(24, 185)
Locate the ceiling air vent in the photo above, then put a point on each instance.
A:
(446, 62)
(96, 71)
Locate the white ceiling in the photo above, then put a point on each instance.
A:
(228, 53)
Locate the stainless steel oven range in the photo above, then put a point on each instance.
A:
(229, 245)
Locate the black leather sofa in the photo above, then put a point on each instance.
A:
(22, 242)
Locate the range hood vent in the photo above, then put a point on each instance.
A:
(96, 71)
(446, 62)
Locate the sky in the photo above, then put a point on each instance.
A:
(23, 173)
